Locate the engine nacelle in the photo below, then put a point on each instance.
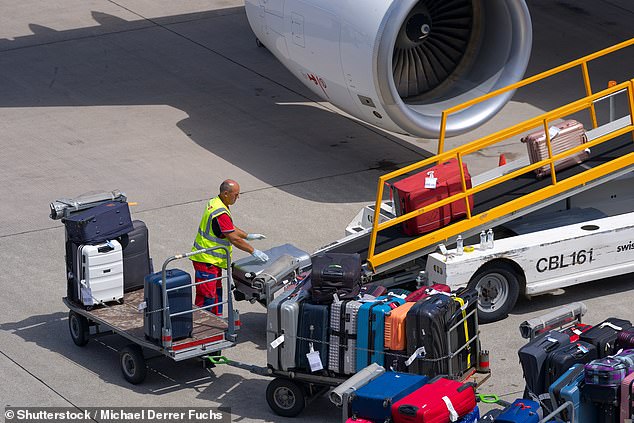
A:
(398, 64)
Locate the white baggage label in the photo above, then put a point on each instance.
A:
(277, 342)
(430, 181)
(314, 360)
(86, 296)
(553, 131)
(142, 306)
(418, 352)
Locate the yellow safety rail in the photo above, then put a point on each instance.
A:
(556, 187)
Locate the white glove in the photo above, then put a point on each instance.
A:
(260, 255)
(253, 237)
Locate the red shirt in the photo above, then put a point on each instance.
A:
(222, 225)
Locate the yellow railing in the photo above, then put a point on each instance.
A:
(556, 187)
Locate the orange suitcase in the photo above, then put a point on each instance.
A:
(395, 327)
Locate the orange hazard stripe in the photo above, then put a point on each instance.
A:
(184, 345)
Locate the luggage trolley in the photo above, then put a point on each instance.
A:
(210, 333)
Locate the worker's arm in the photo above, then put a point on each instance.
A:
(237, 239)
(250, 237)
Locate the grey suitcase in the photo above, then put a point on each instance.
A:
(259, 281)
(342, 355)
(282, 318)
(564, 136)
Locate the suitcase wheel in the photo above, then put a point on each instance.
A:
(79, 328)
(286, 398)
(133, 364)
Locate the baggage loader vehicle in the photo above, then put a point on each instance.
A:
(210, 334)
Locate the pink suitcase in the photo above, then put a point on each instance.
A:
(568, 134)
(627, 399)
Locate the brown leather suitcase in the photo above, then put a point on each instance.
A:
(564, 136)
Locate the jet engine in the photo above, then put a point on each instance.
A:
(398, 64)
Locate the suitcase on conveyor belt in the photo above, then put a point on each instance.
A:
(179, 300)
(313, 334)
(335, 273)
(101, 273)
(374, 400)
(605, 334)
(371, 330)
(568, 388)
(627, 399)
(567, 355)
(533, 357)
(136, 256)
(343, 336)
(563, 136)
(282, 318)
(98, 224)
(426, 327)
(429, 403)
(410, 194)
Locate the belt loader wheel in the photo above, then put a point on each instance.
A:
(133, 364)
(79, 328)
(285, 397)
(498, 288)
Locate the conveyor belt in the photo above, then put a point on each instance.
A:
(498, 195)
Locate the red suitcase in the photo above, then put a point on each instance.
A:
(576, 330)
(627, 398)
(435, 402)
(410, 194)
(564, 136)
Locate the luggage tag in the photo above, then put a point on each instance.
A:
(430, 180)
(277, 341)
(314, 360)
(453, 414)
(419, 352)
(142, 306)
(553, 131)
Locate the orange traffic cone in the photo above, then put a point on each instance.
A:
(502, 161)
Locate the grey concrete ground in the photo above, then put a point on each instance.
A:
(164, 100)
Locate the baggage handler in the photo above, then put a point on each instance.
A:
(217, 228)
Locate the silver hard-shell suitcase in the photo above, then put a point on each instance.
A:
(101, 278)
(259, 281)
(282, 318)
(563, 136)
(342, 353)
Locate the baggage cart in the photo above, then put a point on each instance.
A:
(211, 334)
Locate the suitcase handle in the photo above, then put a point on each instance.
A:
(408, 410)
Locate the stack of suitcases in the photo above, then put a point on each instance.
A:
(106, 253)
(591, 367)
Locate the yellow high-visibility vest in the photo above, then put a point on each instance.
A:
(207, 239)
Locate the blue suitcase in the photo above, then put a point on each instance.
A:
(374, 400)
(568, 388)
(314, 322)
(370, 330)
(472, 417)
(521, 411)
(178, 300)
(98, 224)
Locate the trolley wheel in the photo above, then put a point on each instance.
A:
(133, 364)
(285, 397)
(498, 288)
(79, 328)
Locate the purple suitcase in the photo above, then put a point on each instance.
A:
(566, 135)
(625, 339)
(607, 371)
(627, 400)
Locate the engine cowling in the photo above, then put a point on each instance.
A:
(398, 64)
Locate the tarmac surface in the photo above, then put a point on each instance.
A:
(164, 100)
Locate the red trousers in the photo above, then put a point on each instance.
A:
(211, 292)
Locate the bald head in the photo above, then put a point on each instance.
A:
(229, 191)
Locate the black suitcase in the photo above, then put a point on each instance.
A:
(335, 273)
(564, 357)
(606, 398)
(395, 361)
(72, 270)
(605, 334)
(136, 256)
(533, 357)
(179, 300)
(467, 302)
(101, 223)
(426, 326)
(313, 328)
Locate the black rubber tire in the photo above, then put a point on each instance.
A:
(498, 286)
(285, 397)
(132, 364)
(79, 328)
